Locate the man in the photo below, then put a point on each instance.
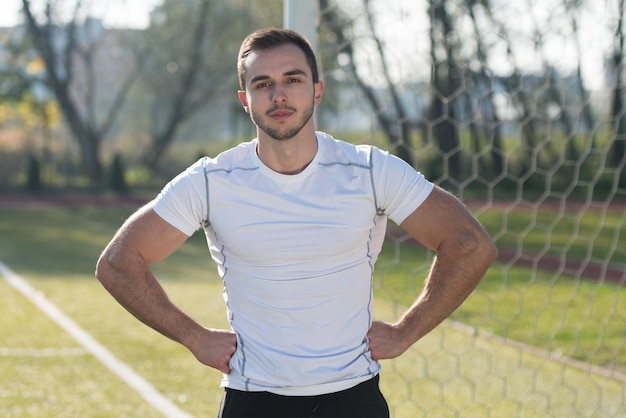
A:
(295, 221)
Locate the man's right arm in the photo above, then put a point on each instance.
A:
(123, 269)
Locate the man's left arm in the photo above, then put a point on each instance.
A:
(464, 253)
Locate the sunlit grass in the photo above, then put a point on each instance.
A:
(449, 371)
(579, 318)
(589, 234)
(46, 373)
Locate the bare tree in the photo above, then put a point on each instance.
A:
(400, 135)
(482, 80)
(520, 98)
(180, 104)
(618, 147)
(193, 46)
(463, 91)
(573, 6)
(395, 125)
(64, 48)
(446, 83)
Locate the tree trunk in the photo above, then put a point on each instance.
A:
(446, 82)
(618, 148)
(388, 124)
(181, 107)
(60, 64)
(486, 104)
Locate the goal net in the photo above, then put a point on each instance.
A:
(517, 109)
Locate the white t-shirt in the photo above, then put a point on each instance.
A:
(296, 254)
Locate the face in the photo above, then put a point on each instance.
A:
(280, 94)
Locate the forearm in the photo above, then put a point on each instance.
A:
(464, 253)
(454, 274)
(123, 269)
(139, 292)
(133, 285)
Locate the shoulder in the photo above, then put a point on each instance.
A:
(338, 151)
(238, 157)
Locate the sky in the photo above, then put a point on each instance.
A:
(128, 13)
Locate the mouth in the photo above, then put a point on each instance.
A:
(280, 114)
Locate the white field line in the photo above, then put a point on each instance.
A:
(138, 383)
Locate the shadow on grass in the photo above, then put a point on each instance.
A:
(59, 241)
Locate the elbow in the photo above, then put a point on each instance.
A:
(491, 250)
(117, 265)
(478, 244)
(102, 267)
(486, 249)
(106, 270)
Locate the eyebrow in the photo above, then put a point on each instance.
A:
(258, 78)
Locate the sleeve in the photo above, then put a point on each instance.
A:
(182, 202)
(399, 187)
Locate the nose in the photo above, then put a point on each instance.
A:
(278, 95)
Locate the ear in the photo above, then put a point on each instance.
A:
(244, 100)
(318, 91)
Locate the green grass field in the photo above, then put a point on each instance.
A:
(454, 371)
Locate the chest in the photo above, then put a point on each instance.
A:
(259, 220)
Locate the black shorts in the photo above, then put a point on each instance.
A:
(363, 401)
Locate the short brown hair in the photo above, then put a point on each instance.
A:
(269, 38)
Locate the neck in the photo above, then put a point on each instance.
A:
(290, 156)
